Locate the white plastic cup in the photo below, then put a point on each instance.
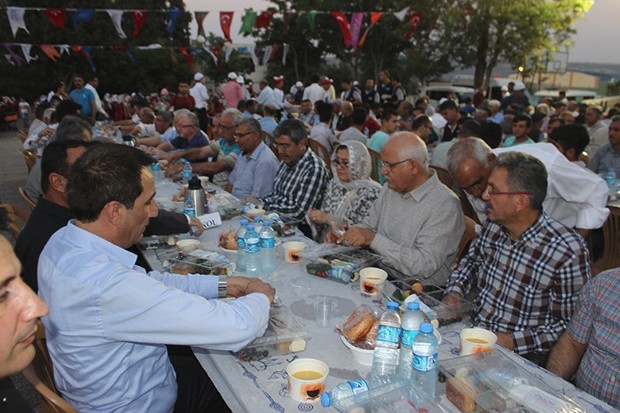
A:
(325, 308)
(372, 280)
(292, 250)
(306, 379)
(476, 340)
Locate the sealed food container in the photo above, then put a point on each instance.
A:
(158, 241)
(429, 297)
(492, 382)
(284, 335)
(337, 262)
(195, 262)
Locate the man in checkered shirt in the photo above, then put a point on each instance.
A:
(527, 266)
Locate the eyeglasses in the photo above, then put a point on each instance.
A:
(344, 162)
(226, 127)
(241, 135)
(187, 126)
(390, 166)
(614, 129)
(492, 192)
(478, 182)
(284, 146)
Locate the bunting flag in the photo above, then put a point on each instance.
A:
(83, 16)
(263, 20)
(138, 17)
(311, 15)
(287, 18)
(253, 56)
(26, 51)
(13, 57)
(16, 19)
(284, 53)
(343, 24)
(200, 17)
(194, 50)
(50, 51)
(414, 21)
(374, 18)
(56, 17)
(247, 22)
(225, 21)
(275, 48)
(401, 14)
(227, 52)
(267, 55)
(64, 48)
(86, 50)
(173, 16)
(188, 58)
(117, 18)
(216, 53)
(213, 56)
(356, 27)
(130, 57)
(173, 56)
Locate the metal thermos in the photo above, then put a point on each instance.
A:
(194, 188)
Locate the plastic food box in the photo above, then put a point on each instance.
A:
(492, 382)
(195, 262)
(431, 297)
(320, 259)
(284, 335)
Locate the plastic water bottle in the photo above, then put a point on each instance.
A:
(411, 321)
(351, 393)
(385, 358)
(267, 248)
(190, 206)
(257, 222)
(243, 228)
(252, 253)
(187, 172)
(611, 177)
(425, 349)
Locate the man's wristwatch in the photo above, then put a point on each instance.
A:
(221, 287)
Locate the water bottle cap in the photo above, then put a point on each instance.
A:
(266, 223)
(326, 400)
(250, 227)
(257, 219)
(244, 222)
(426, 328)
(392, 305)
(413, 305)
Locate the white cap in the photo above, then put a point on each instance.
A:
(240, 80)
(232, 76)
(518, 86)
(299, 84)
(198, 77)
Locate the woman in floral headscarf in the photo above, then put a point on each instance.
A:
(350, 193)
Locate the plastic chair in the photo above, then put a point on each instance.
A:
(30, 158)
(468, 236)
(40, 373)
(611, 236)
(31, 204)
(322, 152)
(375, 157)
(446, 178)
(17, 218)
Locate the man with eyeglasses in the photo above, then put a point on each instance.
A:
(527, 266)
(190, 135)
(575, 197)
(256, 167)
(225, 151)
(608, 155)
(416, 222)
(301, 178)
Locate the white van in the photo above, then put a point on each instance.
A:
(438, 92)
(495, 86)
(571, 94)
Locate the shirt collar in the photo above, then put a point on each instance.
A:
(98, 245)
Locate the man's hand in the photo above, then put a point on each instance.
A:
(175, 156)
(240, 286)
(357, 237)
(173, 169)
(318, 216)
(251, 199)
(452, 301)
(195, 227)
(157, 152)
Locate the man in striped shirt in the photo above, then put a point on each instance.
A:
(527, 266)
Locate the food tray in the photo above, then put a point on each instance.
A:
(284, 335)
(431, 296)
(158, 241)
(492, 382)
(195, 262)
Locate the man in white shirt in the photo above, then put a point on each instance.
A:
(597, 130)
(314, 92)
(201, 97)
(92, 85)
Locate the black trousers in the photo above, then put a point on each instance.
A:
(202, 119)
(196, 392)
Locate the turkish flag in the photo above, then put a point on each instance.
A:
(263, 19)
(138, 17)
(344, 26)
(225, 21)
(414, 21)
(56, 17)
(189, 59)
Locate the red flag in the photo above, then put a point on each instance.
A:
(225, 21)
(50, 51)
(138, 17)
(216, 53)
(414, 21)
(374, 18)
(189, 59)
(56, 17)
(200, 17)
(344, 25)
(263, 20)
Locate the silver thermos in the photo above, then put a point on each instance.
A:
(194, 188)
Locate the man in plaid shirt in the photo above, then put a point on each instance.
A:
(527, 266)
(301, 178)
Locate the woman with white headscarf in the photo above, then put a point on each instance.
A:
(350, 193)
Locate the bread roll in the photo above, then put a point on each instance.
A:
(458, 392)
(357, 325)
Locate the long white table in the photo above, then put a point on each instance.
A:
(261, 386)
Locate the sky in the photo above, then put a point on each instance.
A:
(596, 32)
